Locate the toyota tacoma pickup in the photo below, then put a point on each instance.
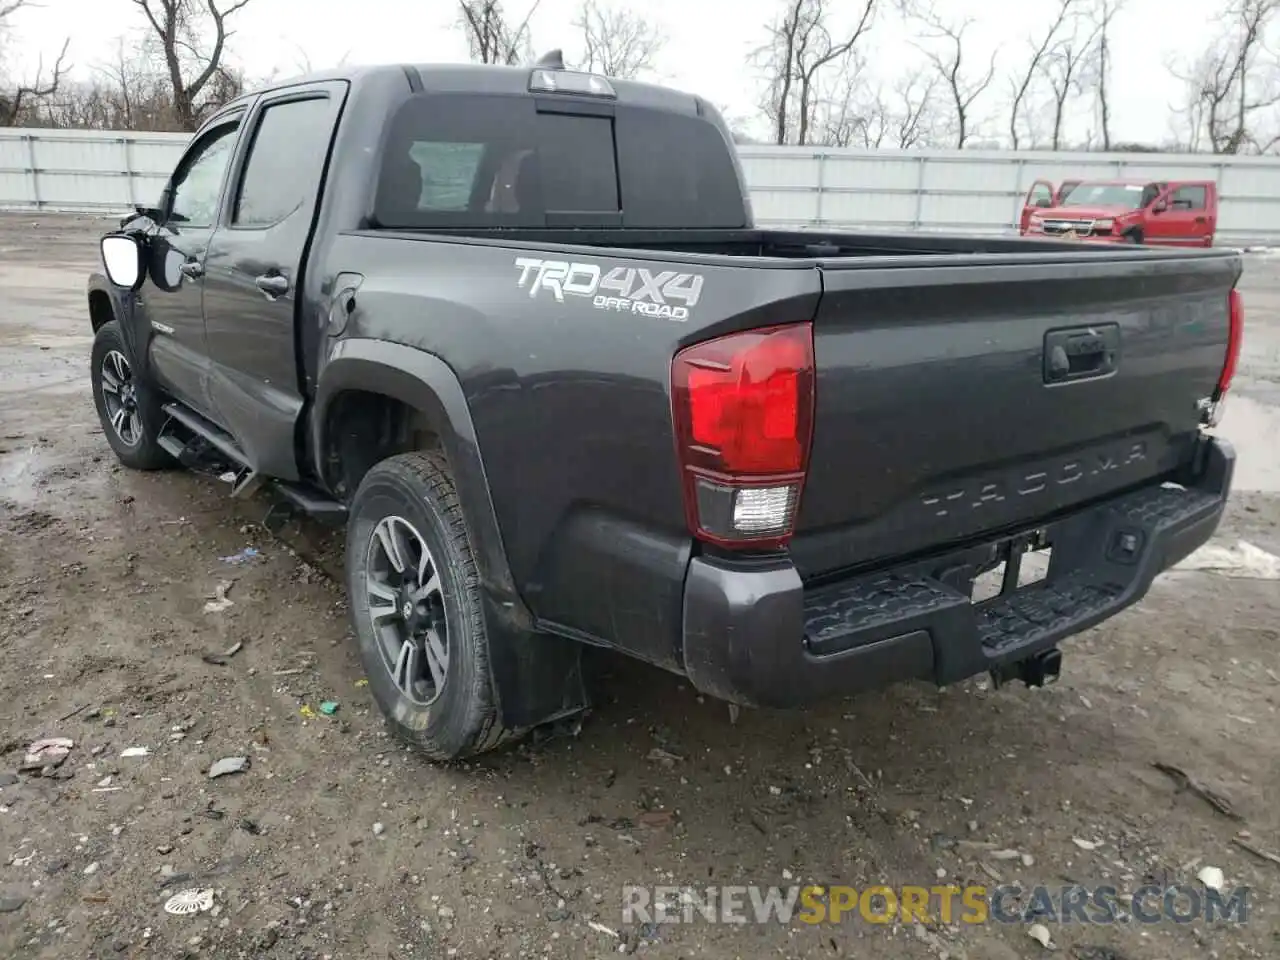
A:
(515, 328)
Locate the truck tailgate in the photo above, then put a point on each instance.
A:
(958, 400)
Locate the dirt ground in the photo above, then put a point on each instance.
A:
(337, 843)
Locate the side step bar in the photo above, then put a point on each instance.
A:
(245, 478)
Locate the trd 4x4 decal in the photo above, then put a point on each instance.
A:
(622, 289)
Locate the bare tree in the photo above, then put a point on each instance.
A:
(802, 46)
(945, 53)
(1237, 76)
(1104, 12)
(1021, 83)
(617, 42)
(865, 117)
(1066, 66)
(199, 79)
(16, 102)
(915, 118)
(491, 37)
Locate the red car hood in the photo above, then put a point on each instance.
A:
(1080, 213)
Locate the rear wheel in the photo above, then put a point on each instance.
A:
(128, 407)
(416, 610)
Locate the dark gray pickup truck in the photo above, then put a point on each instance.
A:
(516, 329)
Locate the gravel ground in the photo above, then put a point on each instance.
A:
(335, 842)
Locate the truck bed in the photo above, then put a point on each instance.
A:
(934, 424)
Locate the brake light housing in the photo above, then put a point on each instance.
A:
(1213, 407)
(742, 407)
(1235, 338)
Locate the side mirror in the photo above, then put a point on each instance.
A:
(1044, 202)
(122, 257)
(1160, 207)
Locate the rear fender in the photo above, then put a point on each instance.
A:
(537, 677)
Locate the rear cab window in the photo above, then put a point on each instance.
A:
(488, 161)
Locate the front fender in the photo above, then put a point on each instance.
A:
(124, 309)
(537, 677)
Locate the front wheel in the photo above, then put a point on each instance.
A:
(128, 406)
(415, 604)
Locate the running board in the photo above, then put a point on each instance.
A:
(312, 502)
(244, 479)
(215, 436)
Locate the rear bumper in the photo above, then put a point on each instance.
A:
(754, 634)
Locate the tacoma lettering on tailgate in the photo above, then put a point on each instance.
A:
(1028, 483)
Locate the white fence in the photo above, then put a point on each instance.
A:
(954, 190)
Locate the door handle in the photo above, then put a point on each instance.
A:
(1202, 219)
(1081, 354)
(192, 269)
(273, 285)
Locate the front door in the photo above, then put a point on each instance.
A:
(172, 300)
(1039, 196)
(254, 272)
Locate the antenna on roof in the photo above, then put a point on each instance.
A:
(551, 60)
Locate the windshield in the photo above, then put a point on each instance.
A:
(1127, 195)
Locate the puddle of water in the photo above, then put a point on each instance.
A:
(1252, 427)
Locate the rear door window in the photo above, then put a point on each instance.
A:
(285, 162)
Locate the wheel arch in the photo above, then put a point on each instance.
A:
(102, 305)
(537, 677)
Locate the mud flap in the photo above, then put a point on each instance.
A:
(537, 677)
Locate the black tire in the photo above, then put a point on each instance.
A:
(462, 719)
(1134, 236)
(136, 446)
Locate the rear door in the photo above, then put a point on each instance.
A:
(1040, 196)
(253, 271)
(1064, 191)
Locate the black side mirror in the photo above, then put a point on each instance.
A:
(122, 256)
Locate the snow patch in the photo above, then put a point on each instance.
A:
(1243, 561)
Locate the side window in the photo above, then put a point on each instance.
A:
(1191, 197)
(285, 161)
(1149, 194)
(197, 185)
(1041, 196)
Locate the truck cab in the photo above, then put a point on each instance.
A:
(1178, 213)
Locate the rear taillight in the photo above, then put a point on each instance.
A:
(1212, 407)
(1235, 334)
(743, 412)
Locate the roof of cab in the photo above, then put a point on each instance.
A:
(492, 79)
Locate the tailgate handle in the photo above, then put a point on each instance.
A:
(1081, 353)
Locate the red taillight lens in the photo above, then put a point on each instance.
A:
(1235, 336)
(743, 412)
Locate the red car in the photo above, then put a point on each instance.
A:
(1177, 213)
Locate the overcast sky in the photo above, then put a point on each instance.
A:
(708, 50)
